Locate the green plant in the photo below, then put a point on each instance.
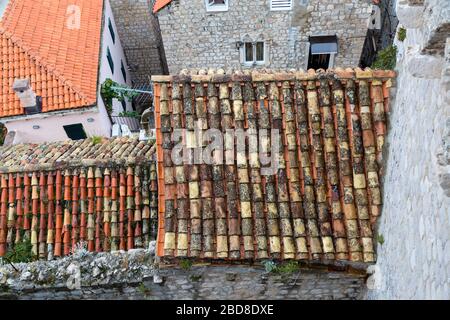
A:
(143, 289)
(270, 266)
(386, 58)
(186, 264)
(131, 114)
(20, 253)
(195, 277)
(380, 239)
(288, 268)
(112, 90)
(285, 268)
(401, 34)
(96, 140)
(4, 288)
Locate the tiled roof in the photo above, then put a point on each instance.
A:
(159, 4)
(324, 200)
(40, 40)
(80, 153)
(103, 194)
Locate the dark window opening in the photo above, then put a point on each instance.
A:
(111, 30)
(248, 52)
(110, 60)
(124, 105)
(322, 50)
(260, 51)
(318, 61)
(124, 72)
(75, 131)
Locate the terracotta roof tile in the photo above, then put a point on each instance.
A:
(59, 194)
(324, 199)
(159, 4)
(61, 62)
(81, 153)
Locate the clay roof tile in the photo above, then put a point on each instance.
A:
(39, 46)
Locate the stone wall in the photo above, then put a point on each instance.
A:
(414, 261)
(194, 38)
(141, 38)
(135, 276)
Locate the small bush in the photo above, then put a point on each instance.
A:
(185, 264)
(270, 266)
(289, 267)
(96, 140)
(144, 290)
(20, 253)
(195, 278)
(286, 268)
(401, 34)
(386, 58)
(380, 239)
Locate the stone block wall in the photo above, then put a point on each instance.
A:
(414, 261)
(141, 38)
(135, 276)
(194, 38)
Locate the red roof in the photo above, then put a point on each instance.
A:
(61, 62)
(159, 4)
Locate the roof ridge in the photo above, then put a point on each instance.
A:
(40, 61)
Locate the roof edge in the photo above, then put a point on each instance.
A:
(160, 4)
(220, 76)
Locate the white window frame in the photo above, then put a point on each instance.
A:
(216, 7)
(254, 62)
(272, 8)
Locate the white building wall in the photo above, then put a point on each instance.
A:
(51, 126)
(118, 55)
(414, 260)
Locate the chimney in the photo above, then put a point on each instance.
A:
(31, 103)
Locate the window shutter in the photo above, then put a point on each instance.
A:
(279, 5)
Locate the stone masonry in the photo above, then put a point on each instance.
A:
(141, 38)
(135, 275)
(414, 261)
(194, 38)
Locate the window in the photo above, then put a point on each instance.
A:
(254, 53)
(280, 5)
(124, 105)
(75, 131)
(111, 30)
(110, 60)
(216, 5)
(124, 72)
(322, 52)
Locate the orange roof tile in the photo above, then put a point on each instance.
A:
(61, 62)
(159, 4)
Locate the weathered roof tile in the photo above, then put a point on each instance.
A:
(323, 200)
